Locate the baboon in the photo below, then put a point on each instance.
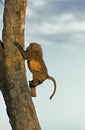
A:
(34, 56)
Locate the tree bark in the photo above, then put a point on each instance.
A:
(2, 67)
(13, 82)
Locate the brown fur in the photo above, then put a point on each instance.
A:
(33, 55)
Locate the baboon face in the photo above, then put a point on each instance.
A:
(34, 47)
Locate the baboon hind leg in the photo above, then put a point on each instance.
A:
(33, 91)
(35, 82)
(33, 85)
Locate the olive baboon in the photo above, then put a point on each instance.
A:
(33, 55)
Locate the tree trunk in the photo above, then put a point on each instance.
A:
(13, 82)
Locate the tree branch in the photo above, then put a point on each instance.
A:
(14, 87)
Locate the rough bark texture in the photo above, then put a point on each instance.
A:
(13, 83)
(2, 67)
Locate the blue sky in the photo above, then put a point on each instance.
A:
(59, 26)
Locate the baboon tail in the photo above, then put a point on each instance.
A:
(51, 78)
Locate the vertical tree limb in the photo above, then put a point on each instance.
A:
(20, 108)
